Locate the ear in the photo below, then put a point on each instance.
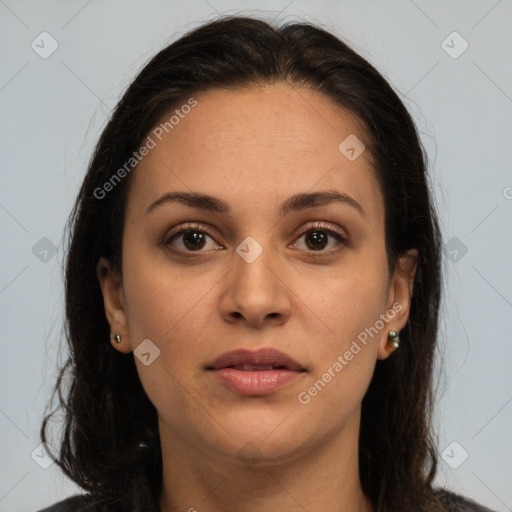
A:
(399, 298)
(114, 303)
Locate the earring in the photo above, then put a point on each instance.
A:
(116, 338)
(394, 340)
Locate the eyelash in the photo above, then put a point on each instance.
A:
(319, 226)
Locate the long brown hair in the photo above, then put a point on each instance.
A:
(110, 429)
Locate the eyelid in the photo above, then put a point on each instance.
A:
(325, 226)
(333, 232)
(197, 226)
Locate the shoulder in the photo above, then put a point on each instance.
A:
(456, 503)
(135, 496)
(77, 503)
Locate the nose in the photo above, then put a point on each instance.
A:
(255, 291)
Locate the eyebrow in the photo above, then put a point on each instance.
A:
(295, 203)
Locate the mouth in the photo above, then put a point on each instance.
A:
(259, 372)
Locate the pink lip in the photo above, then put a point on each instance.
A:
(252, 380)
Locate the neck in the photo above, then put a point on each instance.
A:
(322, 478)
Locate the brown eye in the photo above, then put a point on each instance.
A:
(190, 239)
(318, 238)
(193, 240)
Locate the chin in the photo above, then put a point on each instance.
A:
(259, 439)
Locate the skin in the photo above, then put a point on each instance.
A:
(254, 148)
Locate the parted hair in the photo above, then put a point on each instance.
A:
(109, 424)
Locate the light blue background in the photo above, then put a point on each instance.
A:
(53, 110)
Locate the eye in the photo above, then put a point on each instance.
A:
(190, 238)
(194, 238)
(316, 239)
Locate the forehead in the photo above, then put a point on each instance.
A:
(255, 146)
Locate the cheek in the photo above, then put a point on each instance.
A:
(347, 299)
(344, 362)
(172, 310)
(164, 304)
(176, 308)
(351, 308)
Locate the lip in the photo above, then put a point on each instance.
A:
(262, 357)
(247, 372)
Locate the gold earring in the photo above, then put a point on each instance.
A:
(394, 340)
(116, 338)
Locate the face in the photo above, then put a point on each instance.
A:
(292, 259)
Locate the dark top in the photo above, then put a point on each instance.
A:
(142, 500)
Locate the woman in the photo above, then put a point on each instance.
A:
(252, 287)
